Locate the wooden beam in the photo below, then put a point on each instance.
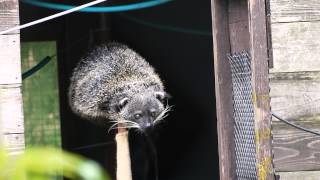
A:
(238, 25)
(260, 85)
(11, 112)
(223, 87)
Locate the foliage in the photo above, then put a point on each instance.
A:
(48, 164)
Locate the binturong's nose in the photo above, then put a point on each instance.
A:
(146, 123)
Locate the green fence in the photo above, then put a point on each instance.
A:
(41, 96)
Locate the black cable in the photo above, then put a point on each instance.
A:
(37, 67)
(93, 145)
(47, 59)
(294, 125)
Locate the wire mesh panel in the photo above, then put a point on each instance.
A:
(243, 112)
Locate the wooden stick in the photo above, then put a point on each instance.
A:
(123, 154)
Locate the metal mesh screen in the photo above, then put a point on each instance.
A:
(244, 132)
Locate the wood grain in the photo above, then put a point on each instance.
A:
(295, 83)
(298, 175)
(296, 97)
(10, 65)
(260, 87)
(9, 14)
(11, 113)
(11, 118)
(296, 150)
(295, 10)
(41, 96)
(269, 34)
(296, 46)
(238, 25)
(223, 88)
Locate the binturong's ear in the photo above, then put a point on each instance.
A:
(114, 106)
(123, 102)
(162, 96)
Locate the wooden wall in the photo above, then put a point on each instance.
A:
(295, 85)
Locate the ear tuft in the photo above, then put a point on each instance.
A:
(162, 96)
(123, 102)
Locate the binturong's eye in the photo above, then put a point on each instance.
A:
(137, 115)
(153, 113)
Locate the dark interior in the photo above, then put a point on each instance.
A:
(176, 39)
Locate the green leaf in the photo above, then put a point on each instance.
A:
(46, 163)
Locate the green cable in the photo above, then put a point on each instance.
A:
(166, 27)
(104, 9)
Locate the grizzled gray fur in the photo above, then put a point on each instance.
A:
(114, 83)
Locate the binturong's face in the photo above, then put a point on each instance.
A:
(143, 111)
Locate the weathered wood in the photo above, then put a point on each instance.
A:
(11, 113)
(11, 118)
(296, 150)
(238, 11)
(9, 14)
(269, 34)
(295, 10)
(300, 175)
(260, 85)
(296, 97)
(296, 46)
(223, 89)
(10, 71)
(238, 25)
(294, 88)
(41, 96)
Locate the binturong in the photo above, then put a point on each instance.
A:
(115, 84)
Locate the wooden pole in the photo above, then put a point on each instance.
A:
(223, 87)
(11, 111)
(123, 155)
(260, 85)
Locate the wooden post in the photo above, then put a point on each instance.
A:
(223, 87)
(260, 85)
(11, 112)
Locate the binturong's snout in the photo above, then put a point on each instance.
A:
(146, 123)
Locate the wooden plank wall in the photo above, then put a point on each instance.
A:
(11, 113)
(295, 85)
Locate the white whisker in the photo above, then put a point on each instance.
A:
(126, 124)
(163, 114)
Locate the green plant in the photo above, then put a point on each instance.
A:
(48, 164)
